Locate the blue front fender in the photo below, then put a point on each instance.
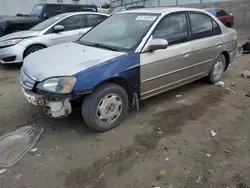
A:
(125, 67)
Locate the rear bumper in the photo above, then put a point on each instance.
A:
(232, 55)
(56, 108)
(12, 54)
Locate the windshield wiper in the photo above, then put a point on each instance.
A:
(106, 47)
(99, 46)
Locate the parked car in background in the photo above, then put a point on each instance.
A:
(131, 56)
(58, 29)
(226, 18)
(41, 12)
(103, 10)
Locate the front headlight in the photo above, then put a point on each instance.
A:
(60, 85)
(9, 42)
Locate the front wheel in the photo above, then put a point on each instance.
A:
(217, 70)
(33, 49)
(105, 108)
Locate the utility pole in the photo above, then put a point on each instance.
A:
(177, 2)
(5, 7)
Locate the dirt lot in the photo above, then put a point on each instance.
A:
(167, 134)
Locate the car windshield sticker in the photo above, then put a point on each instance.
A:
(146, 18)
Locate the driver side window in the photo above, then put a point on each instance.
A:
(173, 28)
(72, 23)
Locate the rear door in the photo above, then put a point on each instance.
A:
(206, 41)
(74, 27)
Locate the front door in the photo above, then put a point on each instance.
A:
(74, 28)
(167, 68)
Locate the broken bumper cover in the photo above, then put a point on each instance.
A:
(56, 108)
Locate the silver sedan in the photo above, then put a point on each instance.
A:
(56, 30)
(131, 56)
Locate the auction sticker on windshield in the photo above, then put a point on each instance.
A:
(146, 18)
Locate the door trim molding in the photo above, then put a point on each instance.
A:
(175, 71)
(196, 77)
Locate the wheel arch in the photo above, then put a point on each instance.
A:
(40, 44)
(119, 81)
(227, 57)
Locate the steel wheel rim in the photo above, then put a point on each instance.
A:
(109, 108)
(218, 69)
(35, 50)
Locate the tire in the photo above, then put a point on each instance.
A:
(33, 49)
(217, 70)
(107, 100)
(228, 25)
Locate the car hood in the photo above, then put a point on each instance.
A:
(20, 35)
(65, 60)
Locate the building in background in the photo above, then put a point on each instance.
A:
(12, 7)
(157, 3)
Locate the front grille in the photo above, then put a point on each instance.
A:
(26, 80)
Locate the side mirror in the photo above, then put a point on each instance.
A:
(156, 44)
(58, 28)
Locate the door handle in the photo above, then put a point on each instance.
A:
(219, 44)
(186, 53)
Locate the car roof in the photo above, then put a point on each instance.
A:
(161, 10)
(85, 5)
(207, 9)
(81, 12)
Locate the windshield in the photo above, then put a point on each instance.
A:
(37, 10)
(121, 32)
(45, 24)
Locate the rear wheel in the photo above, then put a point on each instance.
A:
(218, 69)
(106, 107)
(228, 25)
(33, 49)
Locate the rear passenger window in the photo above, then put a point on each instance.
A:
(201, 25)
(93, 20)
(72, 8)
(53, 10)
(216, 27)
(173, 29)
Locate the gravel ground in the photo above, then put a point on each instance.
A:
(167, 143)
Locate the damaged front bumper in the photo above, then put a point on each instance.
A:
(54, 107)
